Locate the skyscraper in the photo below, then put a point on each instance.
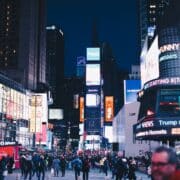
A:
(149, 13)
(22, 41)
(55, 63)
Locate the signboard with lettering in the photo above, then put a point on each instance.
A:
(163, 82)
(157, 126)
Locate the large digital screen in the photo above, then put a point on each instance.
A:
(150, 63)
(131, 88)
(81, 109)
(92, 74)
(93, 54)
(55, 114)
(109, 108)
(92, 100)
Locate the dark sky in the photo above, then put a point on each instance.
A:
(116, 24)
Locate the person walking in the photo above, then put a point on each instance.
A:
(2, 167)
(63, 165)
(77, 164)
(41, 167)
(85, 167)
(56, 166)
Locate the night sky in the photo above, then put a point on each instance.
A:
(116, 24)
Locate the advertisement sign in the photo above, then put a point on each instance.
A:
(92, 100)
(150, 63)
(92, 74)
(93, 126)
(109, 108)
(81, 110)
(169, 81)
(131, 88)
(157, 127)
(41, 137)
(38, 111)
(56, 113)
(93, 54)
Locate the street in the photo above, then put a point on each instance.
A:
(93, 175)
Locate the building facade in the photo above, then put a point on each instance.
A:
(23, 41)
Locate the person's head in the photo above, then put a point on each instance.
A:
(163, 163)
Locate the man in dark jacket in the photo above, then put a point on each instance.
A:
(77, 164)
(85, 167)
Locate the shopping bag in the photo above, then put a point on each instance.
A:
(5, 173)
(52, 171)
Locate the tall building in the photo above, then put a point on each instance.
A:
(22, 41)
(55, 64)
(159, 99)
(149, 13)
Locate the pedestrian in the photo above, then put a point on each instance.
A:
(105, 166)
(77, 164)
(56, 166)
(132, 169)
(22, 165)
(63, 165)
(28, 167)
(41, 167)
(164, 164)
(2, 167)
(10, 164)
(85, 167)
(120, 168)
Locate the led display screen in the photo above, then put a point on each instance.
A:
(92, 74)
(131, 88)
(109, 108)
(93, 54)
(92, 100)
(150, 63)
(55, 114)
(81, 109)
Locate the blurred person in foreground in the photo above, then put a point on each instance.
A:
(164, 164)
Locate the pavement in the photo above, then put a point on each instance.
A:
(93, 175)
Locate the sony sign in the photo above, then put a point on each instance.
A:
(170, 47)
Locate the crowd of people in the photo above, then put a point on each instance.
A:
(161, 165)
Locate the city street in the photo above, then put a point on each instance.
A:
(94, 175)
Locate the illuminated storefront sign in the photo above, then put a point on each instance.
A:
(164, 81)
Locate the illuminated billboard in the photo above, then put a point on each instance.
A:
(92, 100)
(150, 63)
(38, 113)
(131, 88)
(109, 108)
(92, 74)
(81, 110)
(76, 101)
(56, 113)
(93, 54)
